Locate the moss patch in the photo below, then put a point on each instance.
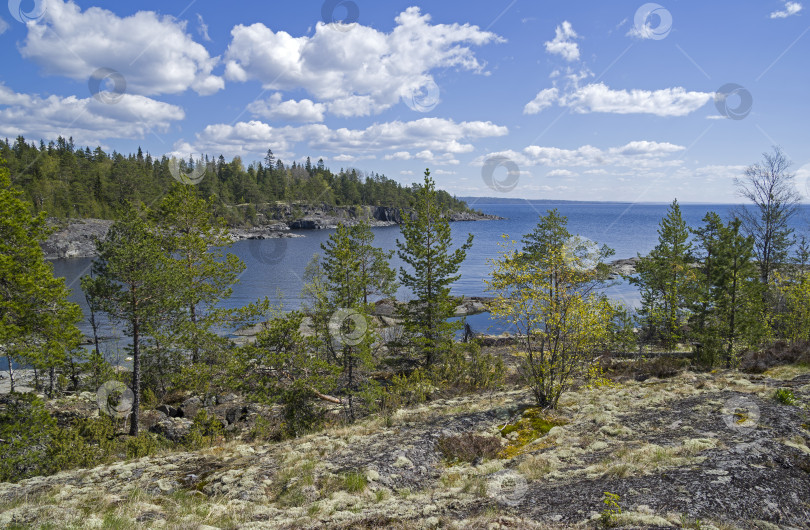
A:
(532, 425)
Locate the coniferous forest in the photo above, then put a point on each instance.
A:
(69, 181)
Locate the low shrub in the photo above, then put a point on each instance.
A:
(205, 431)
(784, 396)
(469, 447)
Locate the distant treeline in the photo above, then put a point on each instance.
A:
(69, 181)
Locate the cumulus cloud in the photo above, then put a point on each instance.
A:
(274, 108)
(545, 98)
(598, 97)
(666, 102)
(154, 53)
(637, 154)
(433, 139)
(790, 9)
(3, 26)
(87, 120)
(358, 72)
(563, 43)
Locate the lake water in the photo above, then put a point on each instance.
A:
(275, 267)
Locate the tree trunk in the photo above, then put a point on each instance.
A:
(195, 350)
(10, 373)
(136, 377)
(51, 377)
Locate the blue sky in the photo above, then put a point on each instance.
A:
(515, 98)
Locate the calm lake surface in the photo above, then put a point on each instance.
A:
(275, 267)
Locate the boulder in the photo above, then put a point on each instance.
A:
(150, 418)
(174, 429)
(191, 407)
(168, 410)
(227, 398)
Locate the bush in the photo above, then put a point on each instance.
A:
(784, 396)
(205, 431)
(469, 447)
(27, 430)
(467, 367)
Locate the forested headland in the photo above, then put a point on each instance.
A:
(69, 181)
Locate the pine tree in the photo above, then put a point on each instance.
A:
(737, 292)
(665, 279)
(37, 321)
(137, 276)
(706, 247)
(339, 286)
(426, 249)
(196, 240)
(280, 368)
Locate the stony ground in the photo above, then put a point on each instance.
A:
(695, 450)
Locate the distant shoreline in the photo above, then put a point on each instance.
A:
(75, 238)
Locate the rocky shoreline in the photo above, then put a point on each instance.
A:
(75, 238)
(694, 450)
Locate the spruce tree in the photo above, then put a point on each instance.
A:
(433, 266)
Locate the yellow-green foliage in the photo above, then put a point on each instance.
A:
(595, 378)
(533, 424)
(612, 509)
(784, 396)
(542, 290)
(796, 295)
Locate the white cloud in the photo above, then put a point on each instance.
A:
(544, 98)
(563, 43)
(202, 28)
(87, 120)
(358, 72)
(443, 172)
(791, 8)
(432, 139)
(665, 102)
(3, 26)
(154, 53)
(560, 173)
(598, 97)
(274, 108)
(641, 154)
(723, 173)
